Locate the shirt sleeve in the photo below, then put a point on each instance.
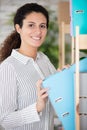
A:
(10, 117)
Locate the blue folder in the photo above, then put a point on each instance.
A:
(61, 94)
(78, 12)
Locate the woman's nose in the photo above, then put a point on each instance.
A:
(38, 29)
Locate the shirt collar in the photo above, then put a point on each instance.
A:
(22, 58)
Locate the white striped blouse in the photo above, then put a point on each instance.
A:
(18, 94)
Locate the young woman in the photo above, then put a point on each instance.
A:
(23, 102)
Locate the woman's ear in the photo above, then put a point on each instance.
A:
(17, 27)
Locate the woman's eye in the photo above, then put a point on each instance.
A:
(31, 25)
(43, 26)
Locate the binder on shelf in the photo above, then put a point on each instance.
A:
(78, 13)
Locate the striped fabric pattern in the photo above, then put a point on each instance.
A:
(18, 93)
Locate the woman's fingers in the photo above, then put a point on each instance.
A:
(41, 96)
(64, 67)
(38, 84)
(42, 92)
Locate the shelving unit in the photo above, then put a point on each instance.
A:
(64, 28)
(80, 44)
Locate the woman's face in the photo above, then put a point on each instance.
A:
(33, 31)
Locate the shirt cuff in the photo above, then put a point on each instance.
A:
(30, 114)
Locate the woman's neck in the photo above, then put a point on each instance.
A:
(28, 52)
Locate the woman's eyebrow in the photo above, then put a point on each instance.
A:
(30, 22)
(34, 22)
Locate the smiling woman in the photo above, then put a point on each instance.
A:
(21, 21)
(32, 33)
(24, 103)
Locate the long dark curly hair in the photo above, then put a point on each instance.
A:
(13, 41)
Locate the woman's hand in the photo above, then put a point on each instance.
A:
(64, 67)
(41, 96)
